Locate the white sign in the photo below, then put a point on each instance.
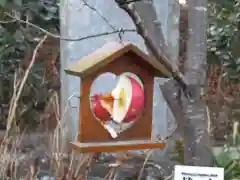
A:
(198, 173)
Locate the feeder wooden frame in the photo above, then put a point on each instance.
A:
(116, 58)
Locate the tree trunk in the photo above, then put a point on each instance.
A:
(197, 140)
(148, 15)
(196, 137)
(169, 89)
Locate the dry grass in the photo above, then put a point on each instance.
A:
(27, 156)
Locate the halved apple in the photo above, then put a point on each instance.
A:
(100, 112)
(129, 100)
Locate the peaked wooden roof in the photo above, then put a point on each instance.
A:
(108, 53)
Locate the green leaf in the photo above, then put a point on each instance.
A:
(238, 61)
(238, 69)
(18, 2)
(228, 169)
(223, 159)
(3, 3)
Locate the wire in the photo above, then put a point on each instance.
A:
(63, 38)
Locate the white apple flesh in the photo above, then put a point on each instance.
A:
(129, 100)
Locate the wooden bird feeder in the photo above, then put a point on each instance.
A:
(118, 58)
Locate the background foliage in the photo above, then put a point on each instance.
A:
(224, 36)
(17, 41)
(224, 66)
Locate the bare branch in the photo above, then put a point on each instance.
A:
(143, 166)
(124, 2)
(19, 91)
(130, 9)
(68, 39)
(98, 13)
(7, 22)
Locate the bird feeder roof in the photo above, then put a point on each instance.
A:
(110, 52)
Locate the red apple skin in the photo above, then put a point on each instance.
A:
(101, 113)
(137, 102)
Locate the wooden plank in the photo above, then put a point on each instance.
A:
(108, 53)
(97, 59)
(117, 146)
